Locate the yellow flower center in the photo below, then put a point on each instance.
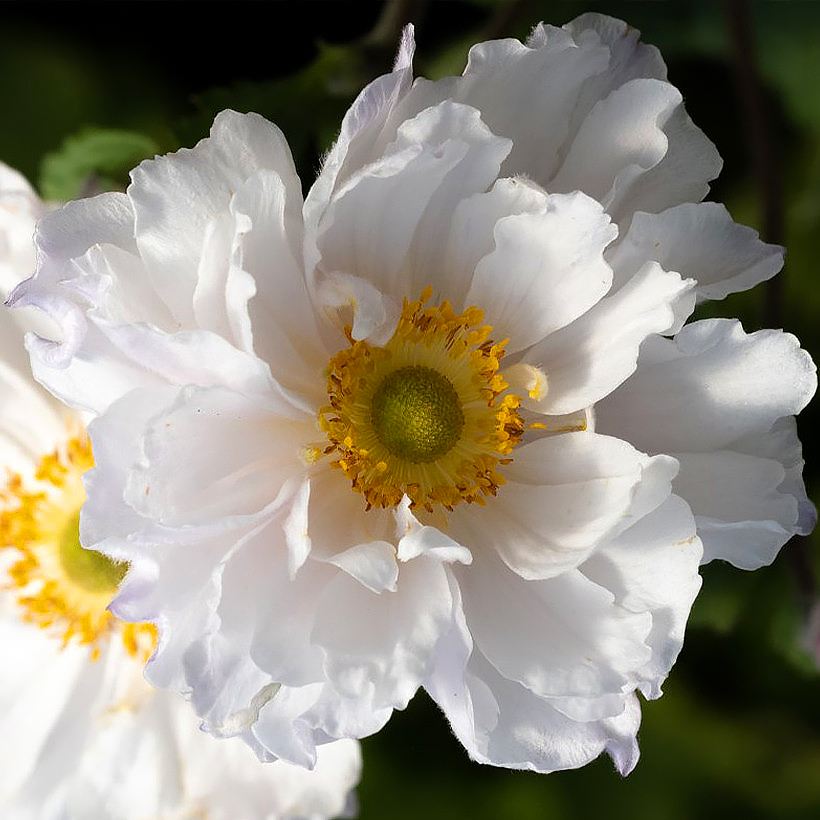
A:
(417, 414)
(89, 570)
(427, 415)
(62, 586)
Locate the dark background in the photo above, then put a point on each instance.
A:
(738, 730)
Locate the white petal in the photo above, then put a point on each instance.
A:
(13, 324)
(471, 233)
(335, 715)
(416, 539)
(332, 501)
(563, 637)
(373, 565)
(538, 115)
(128, 337)
(638, 150)
(781, 444)
(742, 516)
(279, 729)
(546, 269)
(188, 581)
(584, 63)
(653, 567)
(31, 423)
(39, 683)
(227, 778)
(269, 611)
(446, 682)
(20, 208)
(188, 357)
(708, 387)
(374, 314)
(384, 224)
(361, 126)
(238, 453)
(296, 720)
(629, 57)
(62, 235)
(510, 726)
(175, 197)
(700, 242)
(384, 640)
(720, 400)
(563, 494)
(116, 447)
(295, 526)
(222, 289)
(589, 358)
(281, 318)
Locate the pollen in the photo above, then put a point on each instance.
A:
(60, 586)
(428, 415)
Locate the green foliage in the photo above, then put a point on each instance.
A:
(95, 159)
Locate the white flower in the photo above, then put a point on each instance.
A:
(84, 736)
(395, 436)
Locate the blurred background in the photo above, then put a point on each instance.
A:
(88, 90)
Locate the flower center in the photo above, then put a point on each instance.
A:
(89, 570)
(62, 586)
(427, 415)
(417, 414)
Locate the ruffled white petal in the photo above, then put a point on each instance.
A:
(742, 515)
(505, 724)
(564, 493)
(718, 399)
(36, 688)
(637, 149)
(267, 269)
(129, 300)
(584, 62)
(653, 567)
(20, 208)
(175, 196)
(562, 637)
(539, 119)
(384, 223)
(471, 234)
(701, 242)
(99, 743)
(782, 444)
(546, 269)
(235, 463)
(361, 127)
(588, 359)
(30, 423)
(708, 387)
(385, 639)
(628, 56)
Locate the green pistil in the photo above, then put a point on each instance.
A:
(90, 570)
(417, 414)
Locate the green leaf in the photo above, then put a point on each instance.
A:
(95, 159)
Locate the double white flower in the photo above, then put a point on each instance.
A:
(84, 736)
(440, 424)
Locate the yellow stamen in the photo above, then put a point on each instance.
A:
(61, 586)
(428, 415)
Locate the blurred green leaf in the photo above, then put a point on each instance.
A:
(95, 157)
